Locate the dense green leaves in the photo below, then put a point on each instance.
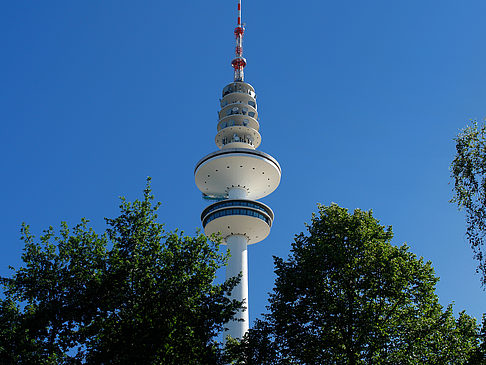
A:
(140, 295)
(134, 295)
(468, 170)
(346, 295)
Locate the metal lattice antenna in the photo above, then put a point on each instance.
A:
(239, 62)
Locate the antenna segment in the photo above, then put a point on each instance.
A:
(239, 62)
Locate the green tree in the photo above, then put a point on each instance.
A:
(133, 295)
(478, 357)
(468, 171)
(346, 295)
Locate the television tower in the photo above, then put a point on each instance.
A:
(235, 177)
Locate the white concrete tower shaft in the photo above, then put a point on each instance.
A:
(235, 177)
(238, 263)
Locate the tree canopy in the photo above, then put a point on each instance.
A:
(346, 295)
(468, 170)
(135, 294)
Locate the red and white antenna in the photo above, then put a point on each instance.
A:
(239, 62)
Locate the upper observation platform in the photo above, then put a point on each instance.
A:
(255, 171)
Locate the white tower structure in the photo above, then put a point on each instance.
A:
(237, 176)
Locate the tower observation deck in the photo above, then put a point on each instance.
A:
(236, 176)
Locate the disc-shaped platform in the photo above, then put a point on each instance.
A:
(237, 120)
(255, 171)
(244, 135)
(238, 109)
(250, 218)
(252, 223)
(239, 87)
(238, 98)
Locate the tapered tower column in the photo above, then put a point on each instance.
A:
(238, 263)
(235, 177)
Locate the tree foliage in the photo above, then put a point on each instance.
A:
(135, 294)
(346, 295)
(468, 170)
(478, 356)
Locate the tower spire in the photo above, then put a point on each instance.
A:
(239, 62)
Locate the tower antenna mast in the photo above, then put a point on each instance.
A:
(239, 62)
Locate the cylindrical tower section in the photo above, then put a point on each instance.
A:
(238, 118)
(238, 263)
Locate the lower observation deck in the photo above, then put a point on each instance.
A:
(255, 171)
(238, 217)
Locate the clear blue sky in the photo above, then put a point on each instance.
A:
(359, 102)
